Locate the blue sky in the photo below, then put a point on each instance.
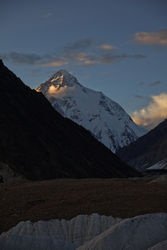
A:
(118, 47)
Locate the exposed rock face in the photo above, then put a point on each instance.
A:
(85, 232)
(149, 151)
(104, 118)
(38, 143)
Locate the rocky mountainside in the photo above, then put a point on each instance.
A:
(38, 143)
(104, 118)
(149, 151)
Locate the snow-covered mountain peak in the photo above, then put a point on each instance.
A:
(104, 118)
(63, 78)
(59, 81)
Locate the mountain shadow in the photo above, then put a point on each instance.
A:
(148, 150)
(38, 143)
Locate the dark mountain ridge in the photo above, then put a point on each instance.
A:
(38, 143)
(148, 149)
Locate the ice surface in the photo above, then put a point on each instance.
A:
(138, 233)
(88, 232)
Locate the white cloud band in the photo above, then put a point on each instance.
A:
(154, 113)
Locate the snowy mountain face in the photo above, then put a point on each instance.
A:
(104, 118)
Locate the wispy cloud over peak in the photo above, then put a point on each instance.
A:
(106, 46)
(85, 52)
(57, 63)
(155, 38)
(77, 56)
(90, 62)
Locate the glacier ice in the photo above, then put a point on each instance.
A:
(88, 232)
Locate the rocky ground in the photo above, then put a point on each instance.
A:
(66, 198)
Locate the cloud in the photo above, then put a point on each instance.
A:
(110, 58)
(53, 90)
(89, 62)
(152, 84)
(88, 59)
(21, 58)
(154, 113)
(79, 45)
(77, 56)
(33, 59)
(106, 46)
(53, 64)
(59, 91)
(82, 58)
(107, 58)
(156, 38)
(80, 52)
(57, 63)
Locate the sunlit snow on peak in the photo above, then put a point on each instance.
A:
(63, 77)
(104, 118)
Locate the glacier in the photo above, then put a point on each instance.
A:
(85, 232)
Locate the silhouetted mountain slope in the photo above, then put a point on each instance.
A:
(39, 143)
(148, 150)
